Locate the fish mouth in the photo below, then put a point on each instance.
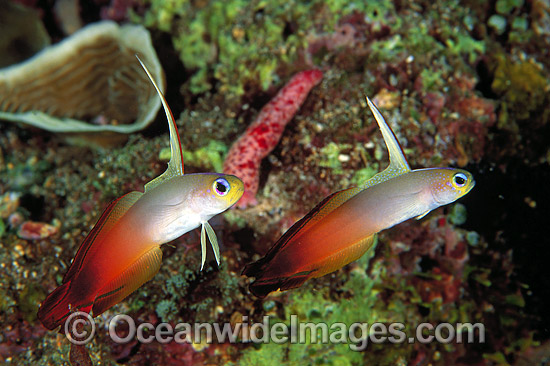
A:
(238, 194)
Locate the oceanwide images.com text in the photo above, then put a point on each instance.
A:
(80, 328)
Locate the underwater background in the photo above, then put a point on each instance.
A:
(462, 83)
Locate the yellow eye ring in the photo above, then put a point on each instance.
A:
(221, 187)
(460, 180)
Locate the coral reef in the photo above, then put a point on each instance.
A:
(261, 137)
(462, 82)
(237, 47)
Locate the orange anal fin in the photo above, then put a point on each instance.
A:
(264, 285)
(110, 216)
(324, 207)
(141, 271)
(344, 257)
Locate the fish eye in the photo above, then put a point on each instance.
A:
(221, 186)
(460, 180)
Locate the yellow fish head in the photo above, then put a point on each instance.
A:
(220, 192)
(448, 184)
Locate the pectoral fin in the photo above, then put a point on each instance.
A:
(398, 162)
(421, 216)
(213, 241)
(141, 271)
(175, 165)
(203, 247)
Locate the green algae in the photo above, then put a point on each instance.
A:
(227, 41)
(418, 38)
(507, 6)
(522, 86)
(516, 299)
(24, 175)
(331, 156)
(511, 20)
(432, 79)
(464, 44)
(362, 175)
(28, 301)
(498, 23)
(472, 238)
(5, 302)
(166, 310)
(240, 45)
(458, 214)
(208, 158)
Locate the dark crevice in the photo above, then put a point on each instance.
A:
(34, 205)
(510, 209)
(485, 76)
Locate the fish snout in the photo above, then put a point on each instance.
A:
(236, 189)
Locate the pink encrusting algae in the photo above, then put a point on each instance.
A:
(261, 137)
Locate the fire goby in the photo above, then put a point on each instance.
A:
(342, 227)
(122, 251)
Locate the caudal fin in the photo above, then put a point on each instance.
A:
(55, 309)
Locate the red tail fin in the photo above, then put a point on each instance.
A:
(55, 309)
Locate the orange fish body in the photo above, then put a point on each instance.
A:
(342, 227)
(95, 267)
(122, 251)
